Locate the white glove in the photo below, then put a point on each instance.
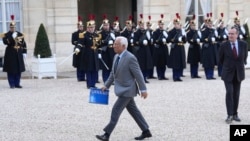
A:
(180, 39)
(14, 35)
(183, 32)
(99, 56)
(198, 40)
(111, 42)
(132, 35)
(131, 41)
(224, 36)
(145, 42)
(164, 40)
(152, 40)
(213, 39)
(77, 50)
(241, 37)
(24, 55)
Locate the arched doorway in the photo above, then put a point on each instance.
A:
(121, 8)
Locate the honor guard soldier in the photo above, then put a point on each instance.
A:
(141, 49)
(14, 54)
(89, 44)
(160, 53)
(242, 32)
(177, 58)
(222, 36)
(149, 34)
(128, 33)
(204, 25)
(106, 48)
(116, 27)
(80, 74)
(193, 58)
(208, 51)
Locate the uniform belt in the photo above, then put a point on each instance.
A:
(180, 44)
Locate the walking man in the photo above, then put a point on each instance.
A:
(127, 83)
(233, 56)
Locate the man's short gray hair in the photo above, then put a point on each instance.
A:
(123, 41)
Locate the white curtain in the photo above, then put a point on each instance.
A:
(206, 6)
(187, 6)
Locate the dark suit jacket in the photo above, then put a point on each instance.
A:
(230, 65)
(128, 75)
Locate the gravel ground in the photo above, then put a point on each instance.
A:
(58, 110)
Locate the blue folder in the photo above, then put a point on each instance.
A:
(97, 96)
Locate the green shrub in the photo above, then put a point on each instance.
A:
(42, 45)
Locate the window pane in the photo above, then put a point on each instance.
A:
(1, 28)
(200, 8)
(12, 8)
(1, 12)
(200, 21)
(192, 8)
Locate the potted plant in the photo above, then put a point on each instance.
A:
(248, 42)
(43, 63)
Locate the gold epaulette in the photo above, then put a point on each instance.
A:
(2, 35)
(81, 35)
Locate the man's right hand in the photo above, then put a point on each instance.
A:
(77, 50)
(14, 35)
(144, 95)
(103, 88)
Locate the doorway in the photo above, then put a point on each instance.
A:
(121, 8)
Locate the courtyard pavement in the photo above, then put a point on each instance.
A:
(58, 110)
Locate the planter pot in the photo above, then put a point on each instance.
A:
(44, 67)
(248, 61)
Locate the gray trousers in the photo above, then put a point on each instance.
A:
(117, 109)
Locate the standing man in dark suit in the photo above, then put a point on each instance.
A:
(77, 60)
(15, 52)
(126, 79)
(233, 56)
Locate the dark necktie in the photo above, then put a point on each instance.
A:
(234, 51)
(116, 63)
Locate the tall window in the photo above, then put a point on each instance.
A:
(198, 7)
(8, 8)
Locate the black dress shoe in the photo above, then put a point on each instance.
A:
(236, 118)
(146, 81)
(18, 87)
(212, 78)
(151, 77)
(163, 78)
(177, 80)
(197, 76)
(229, 119)
(103, 137)
(12, 87)
(145, 134)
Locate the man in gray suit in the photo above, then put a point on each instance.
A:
(127, 78)
(232, 57)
